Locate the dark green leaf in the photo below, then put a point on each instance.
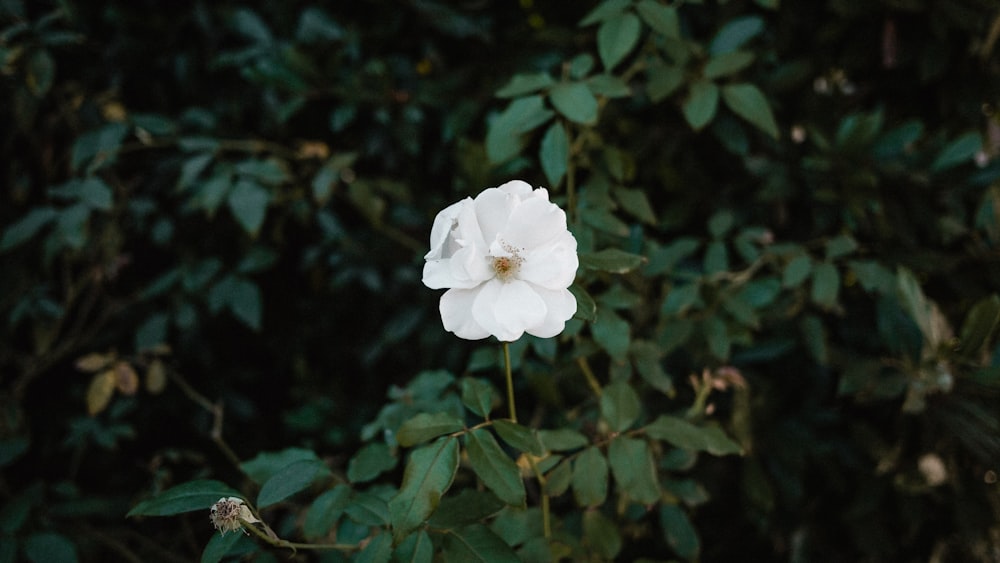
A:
(290, 480)
(604, 10)
(429, 473)
(218, 546)
(41, 71)
(840, 246)
(264, 465)
(417, 548)
(725, 64)
(192, 168)
(426, 426)
(958, 151)
(825, 284)
(478, 396)
(664, 80)
(612, 333)
(269, 172)
(586, 308)
(371, 461)
(368, 509)
(467, 507)
(634, 469)
(325, 511)
(735, 34)
(554, 153)
(701, 103)
(717, 335)
(378, 550)
(683, 434)
(616, 38)
(193, 495)
(503, 137)
(496, 469)
(796, 271)
(680, 298)
(604, 220)
(590, 477)
(575, 102)
(519, 437)
(151, 333)
(521, 84)
(620, 406)
(247, 23)
(611, 260)
(601, 534)
(476, 543)
(27, 227)
(716, 257)
(748, 102)
(609, 86)
(980, 326)
(562, 439)
(248, 202)
(244, 301)
(636, 203)
(662, 19)
(664, 259)
(680, 533)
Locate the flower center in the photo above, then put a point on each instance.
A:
(506, 267)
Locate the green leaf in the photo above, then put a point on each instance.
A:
(478, 396)
(429, 473)
(244, 300)
(40, 72)
(48, 547)
(797, 271)
(370, 462)
(716, 257)
(212, 192)
(248, 202)
(634, 469)
(680, 298)
(646, 356)
(720, 223)
(604, 220)
(662, 19)
(913, 300)
(368, 509)
(725, 64)
(735, 34)
(586, 307)
(580, 66)
(620, 406)
(663, 260)
(246, 22)
(97, 148)
(503, 137)
(611, 260)
(961, 150)
(748, 102)
(521, 84)
(663, 81)
(192, 168)
(701, 103)
(980, 326)
(601, 534)
(840, 246)
(590, 477)
(575, 102)
(476, 543)
(554, 153)
(604, 10)
(519, 437)
(92, 192)
(717, 335)
(496, 469)
(857, 131)
(616, 38)
(417, 548)
(193, 495)
(270, 172)
(325, 510)
(825, 284)
(679, 531)
(467, 507)
(612, 333)
(608, 85)
(378, 550)
(151, 333)
(218, 546)
(27, 227)
(426, 426)
(264, 465)
(562, 439)
(873, 276)
(290, 480)
(683, 434)
(636, 203)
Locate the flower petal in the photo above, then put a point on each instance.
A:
(456, 313)
(516, 187)
(445, 221)
(460, 259)
(552, 265)
(534, 223)
(508, 309)
(493, 207)
(560, 306)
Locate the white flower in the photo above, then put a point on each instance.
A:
(230, 513)
(507, 260)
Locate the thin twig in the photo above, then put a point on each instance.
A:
(510, 383)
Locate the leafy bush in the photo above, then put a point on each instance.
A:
(785, 340)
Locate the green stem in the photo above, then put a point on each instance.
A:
(542, 481)
(510, 382)
(588, 373)
(272, 539)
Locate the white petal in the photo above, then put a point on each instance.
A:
(493, 207)
(509, 308)
(560, 306)
(553, 265)
(534, 223)
(517, 187)
(459, 259)
(444, 222)
(456, 314)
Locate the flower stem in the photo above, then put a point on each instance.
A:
(542, 481)
(510, 382)
(588, 373)
(271, 538)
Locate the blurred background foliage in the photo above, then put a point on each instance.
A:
(214, 215)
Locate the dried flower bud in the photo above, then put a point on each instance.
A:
(230, 513)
